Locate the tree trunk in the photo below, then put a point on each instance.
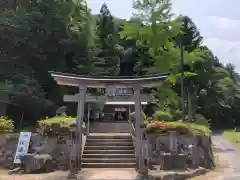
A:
(189, 106)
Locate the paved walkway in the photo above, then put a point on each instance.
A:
(108, 174)
(231, 156)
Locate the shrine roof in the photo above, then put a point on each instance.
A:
(105, 81)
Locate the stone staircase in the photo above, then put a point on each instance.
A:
(109, 151)
(110, 127)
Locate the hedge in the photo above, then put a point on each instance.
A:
(162, 116)
(6, 125)
(59, 125)
(156, 127)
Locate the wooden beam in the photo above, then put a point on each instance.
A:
(89, 98)
(92, 98)
(103, 82)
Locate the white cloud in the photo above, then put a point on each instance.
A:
(218, 27)
(205, 8)
(219, 24)
(223, 37)
(226, 51)
(223, 22)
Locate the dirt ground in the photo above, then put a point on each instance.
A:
(222, 170)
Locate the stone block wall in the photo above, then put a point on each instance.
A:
(197, 149)
(58, 148)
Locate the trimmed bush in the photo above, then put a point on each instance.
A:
(59, 125)
(6, 125)
(162, 116)
(157, 127)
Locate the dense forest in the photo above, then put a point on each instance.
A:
(63, 35)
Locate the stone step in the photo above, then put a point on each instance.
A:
(108, 165)
(111, 151)
(102, 143)
(120, 147)
(109, 127)
(109, 160)
(132, 155)
(109, 137)
(108, 140)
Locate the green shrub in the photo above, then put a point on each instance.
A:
(200, 129)
(162, 116)
(6, 125)
(201, 120)
(56, 125)
(132, 116)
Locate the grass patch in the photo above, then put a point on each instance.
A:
(233, 136)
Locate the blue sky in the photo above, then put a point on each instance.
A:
(217, 20)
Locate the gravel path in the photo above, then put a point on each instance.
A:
(230, 154)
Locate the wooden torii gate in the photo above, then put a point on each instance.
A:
(84, 82)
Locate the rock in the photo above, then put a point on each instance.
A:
(32, 163)
(15, 170)
(63, 160)
(46, 146)
(9, 161)
(176, 175)
(174, 161)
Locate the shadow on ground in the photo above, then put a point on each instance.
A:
(219, 150)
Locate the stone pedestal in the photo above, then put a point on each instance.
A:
(173, 141)
(174, 161)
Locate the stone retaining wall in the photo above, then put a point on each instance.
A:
(58, 148)
(197, 149)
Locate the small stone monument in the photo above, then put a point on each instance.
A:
(173, 141)
(61, 111)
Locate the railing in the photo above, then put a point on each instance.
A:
(143, 162)
(132, 132)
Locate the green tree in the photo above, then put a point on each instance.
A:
(106, 61)
(190, 39)
(189, 36)
(38, 37)
(153, 31)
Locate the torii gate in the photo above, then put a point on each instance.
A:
(84, 82)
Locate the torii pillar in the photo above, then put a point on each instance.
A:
(141, 165)
(76, 156)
